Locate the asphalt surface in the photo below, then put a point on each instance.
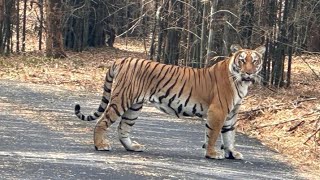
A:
(41, 138)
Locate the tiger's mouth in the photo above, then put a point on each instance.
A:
(248, 79)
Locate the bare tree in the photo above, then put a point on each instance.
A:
(24, 24)
(6, 14)
(204, 32)
(246, 22)
(213, 9)
(54, 43)
(18, 26)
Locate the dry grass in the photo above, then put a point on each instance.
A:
(83, 71)
(278, 118)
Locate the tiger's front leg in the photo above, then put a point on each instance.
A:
(228, 135)
(214, 123)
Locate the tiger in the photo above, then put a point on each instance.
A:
(212, 93)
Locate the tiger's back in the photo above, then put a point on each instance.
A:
(180, 91)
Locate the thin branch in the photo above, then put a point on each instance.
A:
(227, 11)
(184, 30)
(296, 126)
(262, 108)
(313, 134)
(304, 100)
(133, 26)
(274, 106)
(311, 68)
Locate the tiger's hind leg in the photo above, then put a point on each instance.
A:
(111, 115)
(125, 126)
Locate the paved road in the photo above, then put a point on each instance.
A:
(42, 139)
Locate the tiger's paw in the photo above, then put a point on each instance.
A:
(215, 155)
(232, 154)
(103, 147)
(132, 146)
(137, 147)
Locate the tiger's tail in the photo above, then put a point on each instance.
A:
(104, 101)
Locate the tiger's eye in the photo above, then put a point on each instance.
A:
(242, 60)
(255, 61)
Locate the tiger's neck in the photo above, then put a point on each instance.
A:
(225, 81)
(221, 81)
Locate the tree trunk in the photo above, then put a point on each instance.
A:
(291, 35)
(152, 43)
(246, 22)
(171, 54)
(2, 24)
(85, 32)
(188, 36)
(226, 34)
(214, 5)
(18, 27)
(161, 29)
(54, 43)
(23, 48)
(6, 10)
(203, 33)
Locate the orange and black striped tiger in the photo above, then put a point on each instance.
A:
(214, 93)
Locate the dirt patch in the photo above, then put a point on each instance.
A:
(287, 120)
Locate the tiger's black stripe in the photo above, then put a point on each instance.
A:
(181, 90)
(215, 77)
(130, 119)
(129, 124)
(136, 109)
(194, 76)
(169, 89)
(234, 114)
(194, 109)
(169, 105)
(179, 108)
(154, 89)
(225, 129)
(115, 108)
(153, 77)
(186, 103)
(143, 77)
(235, 84)
(208, 127)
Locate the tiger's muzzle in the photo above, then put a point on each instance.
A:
(248, 78)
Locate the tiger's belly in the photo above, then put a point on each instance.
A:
(180, 108)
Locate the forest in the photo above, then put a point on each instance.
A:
(190, 33)
(72, 42)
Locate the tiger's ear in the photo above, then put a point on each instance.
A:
(261, 49)
(235, 47)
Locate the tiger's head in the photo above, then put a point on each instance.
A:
(246, 64)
